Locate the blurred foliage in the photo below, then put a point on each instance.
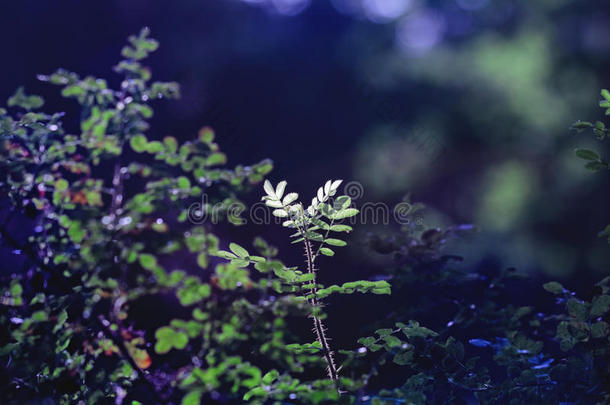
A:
(486, 345)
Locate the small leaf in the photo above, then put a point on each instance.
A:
(403, 358)
(335, 185)
(349, 212)
(184, 182)
(599, 329)
(270, 377)
(341, 228)
(577, 309)
(274, 203)
(327, 252)
(216, 159)
(240, 262)
(147, 261)
(342, 202)
(255, 392)
(320, 194)
(600, 305)
(279, 190)
(138, 143)
(269, 189)
(225, 255)
(202, 260)
(392, 341)
(335, 242)
(206, 135)
(581, 125)
(327, 187)
(192, 398)
(61, 185)
(280, 213)
(238, 250)
(553, 287)
(596, 166)
(171, 143)
(290, 198)
(587, 154)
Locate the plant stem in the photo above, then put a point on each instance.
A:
(319, 328)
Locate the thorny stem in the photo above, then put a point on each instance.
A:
(319, 327)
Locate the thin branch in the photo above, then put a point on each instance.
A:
(317, 322)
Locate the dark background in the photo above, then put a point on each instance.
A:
(465, 104)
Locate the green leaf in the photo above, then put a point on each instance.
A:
(341, 228)
(342, 202)
(581, 125)
(255, 392)
(202, 260)
(192, 398)
(171, 143)
(600, 305)
(403, 358)
(193, 291)
(599, 330)
(206, 135)
(154, 147)
(384, 332)
(20, 99)
(180, 340)
(587, 154)
(270, 377)
(147, 261)
(76, 233)
(596, 166)
(606, 94)
(39, 316)
(367, 341)
(346, 213)
(61, 185)
(138, 143)
(577, 309)
(238, 250)
(216, 159)
(225, 255)
(184, 183)
(199, 315)
(240, 262)
(553, 287)
(414, 330)
(16, 289)
(335, 242)
(392, 341)
(327, 252)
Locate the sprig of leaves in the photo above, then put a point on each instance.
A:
(318, 220)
